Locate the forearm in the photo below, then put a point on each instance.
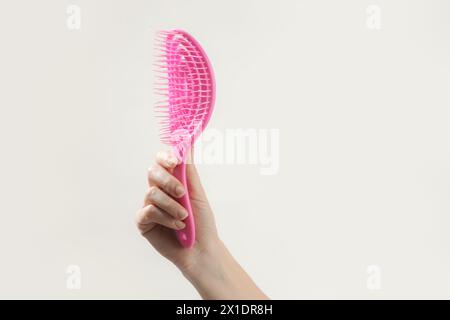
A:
(217, 275)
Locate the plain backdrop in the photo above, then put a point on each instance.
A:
(364, 155)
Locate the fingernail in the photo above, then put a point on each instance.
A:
(179, 191)
(182, 214)
(180, 224)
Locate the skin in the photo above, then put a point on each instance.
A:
(208, 265)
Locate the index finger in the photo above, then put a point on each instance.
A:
(167, 159)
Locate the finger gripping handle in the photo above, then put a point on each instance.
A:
(186, 236)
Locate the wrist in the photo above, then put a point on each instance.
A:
(205, 259)
(217, 275)
(213, 273)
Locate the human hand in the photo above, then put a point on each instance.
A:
(161, 214)
(208, 265)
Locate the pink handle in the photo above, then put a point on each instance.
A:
(186, 237)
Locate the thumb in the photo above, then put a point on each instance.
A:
(204, 217)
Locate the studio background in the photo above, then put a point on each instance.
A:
(364, 157)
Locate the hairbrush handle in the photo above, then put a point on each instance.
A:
(186, 236)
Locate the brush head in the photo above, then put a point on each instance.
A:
(186, 80)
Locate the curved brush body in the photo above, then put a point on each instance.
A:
(186, 80)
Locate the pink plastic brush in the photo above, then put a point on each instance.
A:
(186, 80)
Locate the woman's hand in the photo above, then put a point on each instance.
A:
(208, 265)
(161, 214)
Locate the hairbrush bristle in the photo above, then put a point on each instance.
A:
(185, 81)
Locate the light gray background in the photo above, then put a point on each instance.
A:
(364, 145)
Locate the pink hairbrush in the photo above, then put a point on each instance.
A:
(186, 81)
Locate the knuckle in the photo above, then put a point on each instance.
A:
(145, 214)
(161, 155)
(152, 192)
(152, 171)
(139, 217)
(151, 211)
(167, 184)
(149, 214)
